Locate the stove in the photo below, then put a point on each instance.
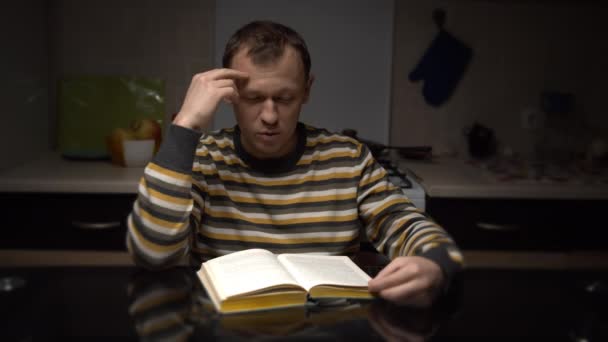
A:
(402, 179)
(395, 174)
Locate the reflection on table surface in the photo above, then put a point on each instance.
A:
(172, 306)
(55, 303)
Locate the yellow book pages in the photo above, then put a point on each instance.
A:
(327, 276)
(265, 301)
(245, 272)
(329, 291)
(256, 279)
(249, 280)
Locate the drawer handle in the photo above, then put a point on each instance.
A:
(96, 225)
(497, 227)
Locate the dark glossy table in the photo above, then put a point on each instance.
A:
(80, 302)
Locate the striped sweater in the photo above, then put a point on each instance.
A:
(205, 195)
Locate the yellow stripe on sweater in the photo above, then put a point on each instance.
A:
(372, 179)
(376, 211)
(261, 239)
(264, 201)
(271, 221)
(427, 239)
(164, 197)
(313, 178)
(149, 245)
(329, 139)
(163, 223)
(168, 173)
(309, 159)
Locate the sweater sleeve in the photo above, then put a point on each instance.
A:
(160, 224)
(161, 304)
(396, 227)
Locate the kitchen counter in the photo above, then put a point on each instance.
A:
(52, 173)
(458, 178)
(442, 177)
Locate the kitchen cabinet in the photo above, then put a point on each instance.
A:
(522, 224)
(484, 214)
(64, 221)
(51, 203)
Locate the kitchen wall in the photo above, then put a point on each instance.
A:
(345, 38)
(172, 40)
(520, 48)
(24, 81)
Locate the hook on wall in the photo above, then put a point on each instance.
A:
(439, 17)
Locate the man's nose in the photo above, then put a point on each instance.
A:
(269, 114)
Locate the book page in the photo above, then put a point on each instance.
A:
(311, 270)
(246, 271)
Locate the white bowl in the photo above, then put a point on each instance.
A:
(138, 152)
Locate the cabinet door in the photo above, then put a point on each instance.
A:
(65, 221)
(513, 224)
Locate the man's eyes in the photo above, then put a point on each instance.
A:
(281, 99)
(284, 99)
(254, 98)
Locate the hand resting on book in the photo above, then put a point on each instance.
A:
(409, 280)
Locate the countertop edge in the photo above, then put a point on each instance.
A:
(62, 258)
(475, 259)
(108, 187)
(488, 192)
(456, 178)
(51, 173)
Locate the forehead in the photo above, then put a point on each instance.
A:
(285, 73)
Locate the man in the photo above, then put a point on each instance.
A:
(274, 183)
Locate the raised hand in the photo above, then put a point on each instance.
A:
(206, 91)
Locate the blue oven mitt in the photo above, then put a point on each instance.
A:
(441, 67)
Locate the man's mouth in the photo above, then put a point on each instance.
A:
(268, 137)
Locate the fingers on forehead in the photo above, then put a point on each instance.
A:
(232, 73)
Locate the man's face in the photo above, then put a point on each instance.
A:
(268, 107)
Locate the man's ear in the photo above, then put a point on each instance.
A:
(311, 79)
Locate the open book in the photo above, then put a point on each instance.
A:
(257, 279)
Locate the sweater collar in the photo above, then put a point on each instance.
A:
(273, 165)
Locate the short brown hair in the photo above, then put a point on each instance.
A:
(266, 41)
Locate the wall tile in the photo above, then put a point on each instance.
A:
(145, 37)
(521, 48)
(24, 82)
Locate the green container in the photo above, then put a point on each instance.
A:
(90, 107)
